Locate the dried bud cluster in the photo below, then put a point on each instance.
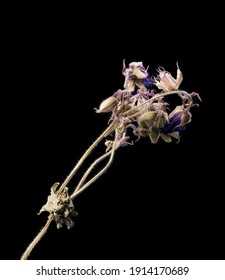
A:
(141, 106)
(60, 205)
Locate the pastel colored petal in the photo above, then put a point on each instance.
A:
(139, 74)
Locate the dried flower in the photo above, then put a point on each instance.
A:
(135, 111)
(147, 119)
(178, 118)
(166, 82)
(136, 76)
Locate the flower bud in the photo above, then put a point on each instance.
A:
(147, 119)
(185, 115)
(162, 119)
(108, 105)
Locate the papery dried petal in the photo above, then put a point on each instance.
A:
(185, 118)
(179, 78)
(175, 135)
(166, 82)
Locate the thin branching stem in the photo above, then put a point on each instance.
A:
(109, 129)
(158, 95)
(97, 161)
(91, 181)
(81, 186)
(85, 155)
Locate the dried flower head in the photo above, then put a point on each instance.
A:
(136, 77)
(144, 110)
(166, 82)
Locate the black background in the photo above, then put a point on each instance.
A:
(159, 201)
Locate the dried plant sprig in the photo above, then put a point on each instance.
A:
(137, 110)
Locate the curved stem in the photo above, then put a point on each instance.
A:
(37, 239)
(85, 155)
(138, 113)
(156, 97)
(98, 174)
